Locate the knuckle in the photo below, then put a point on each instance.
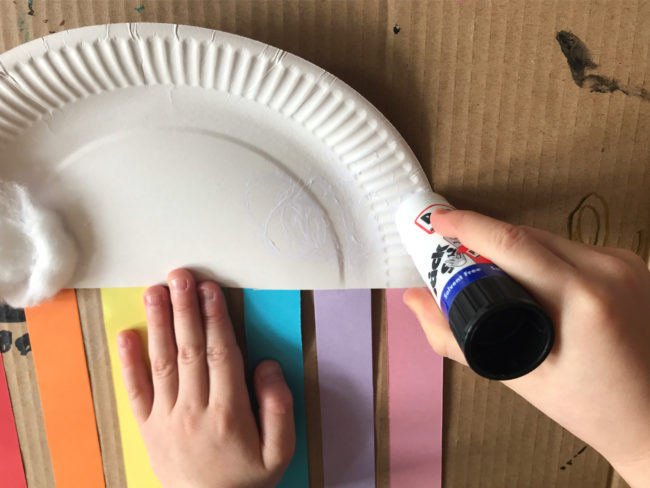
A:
(511, 237)
(217, 355)
(597, 298)
(162, 368)
(226, 422)
(214, 314)
(280, 401)
(183, 306)
(190, 421)
(618, 270)
(190, 353)
(133, 393)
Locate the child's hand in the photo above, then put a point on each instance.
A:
(596, 380)
(192, 406)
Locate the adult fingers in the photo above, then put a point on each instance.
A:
(225, 364)
(278, 433)
(162, 347)
(512, 247)
(135, 375)
(190, 338)
(433, 323)
(583, 256)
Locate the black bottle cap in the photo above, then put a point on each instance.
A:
(501, 329)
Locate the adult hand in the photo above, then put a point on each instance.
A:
(596, 380)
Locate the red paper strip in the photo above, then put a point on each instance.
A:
(11, 463)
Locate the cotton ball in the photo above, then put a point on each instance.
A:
(37, 256)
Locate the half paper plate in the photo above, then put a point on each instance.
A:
(164, 145)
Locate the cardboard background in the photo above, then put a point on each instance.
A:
(484, 96)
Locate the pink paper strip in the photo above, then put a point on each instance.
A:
(11, 462)
(414, 400)
(344, 351)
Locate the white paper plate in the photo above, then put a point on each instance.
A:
(164, 145)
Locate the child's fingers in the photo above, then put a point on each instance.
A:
(224, 359)
(435, 327)
(162, 347)
(135, 375)
(512, 247)
(278, 433)
(190, 339)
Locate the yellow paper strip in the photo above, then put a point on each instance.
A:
(124, 309)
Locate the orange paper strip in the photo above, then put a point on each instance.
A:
(66, 398)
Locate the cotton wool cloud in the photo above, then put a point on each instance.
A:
(37, 256)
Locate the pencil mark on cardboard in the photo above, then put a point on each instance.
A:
(30, 7)
(579, 60)
(588, 223)
(396, 29)
(640, 247)
(5, 340)
(579, 226)
(570, 461)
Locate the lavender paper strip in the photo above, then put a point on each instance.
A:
(344, 349)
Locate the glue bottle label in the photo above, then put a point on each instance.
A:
(444, 263)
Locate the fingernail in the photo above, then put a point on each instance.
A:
(153, 299)
(180, 284)
(206, 294)
(442, 211)
(122, 341)
(271, 373)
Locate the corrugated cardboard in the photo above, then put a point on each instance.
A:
(485, 97)
(26, 403)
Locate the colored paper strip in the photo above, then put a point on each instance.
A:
(414, 400)
(124, 309)
(273, 331)
(64, 386)
(11, 463)
(344, 350)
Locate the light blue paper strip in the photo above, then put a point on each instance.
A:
(273, 331)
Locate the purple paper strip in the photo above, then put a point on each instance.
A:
(344, 349)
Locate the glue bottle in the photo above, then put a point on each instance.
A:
(501, 329)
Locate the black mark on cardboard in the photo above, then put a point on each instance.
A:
(62, 22)
(579, 60)
(396, 29)
(10, 315)
(5, 340)
(23, 345)
(570, 461)
(597, 206)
